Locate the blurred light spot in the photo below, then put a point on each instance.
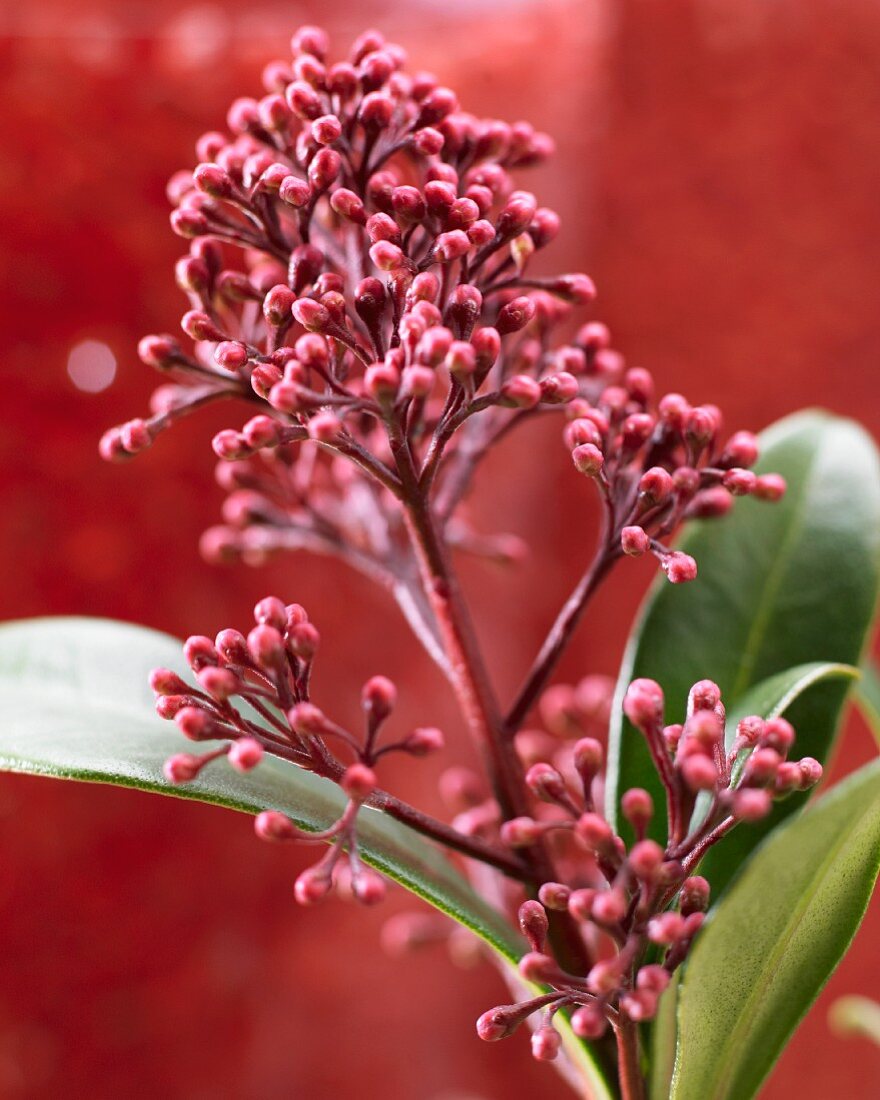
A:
(91, 366)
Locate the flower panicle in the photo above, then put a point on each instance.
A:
(640, 904)
(384, 308)
(253, 694)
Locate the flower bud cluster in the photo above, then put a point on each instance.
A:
(269, 671)
(659, 464)
(638, 905)
(741, 776)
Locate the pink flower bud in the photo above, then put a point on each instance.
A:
(559, 388)
(609, 906)
(740, 450)
(387, 256)
(693, 896)
(194, 723)
(643, 704)
(769, 487)
(546, 1042)
(637, 807)
(534, 924)
(200, 651)
(679, 567)
(326, 129)
(165, 682)
(368, 888)
(182, 768)
(699, 773)
(294, 191)
(313, 885)
(424, 741)
(515, 315)
(545, 782)
(382, 381)
(266, 646)
(751, 804)
(451, 246)
(589, 1021)
(604, 977)
(588, 459)
(645, 859)
(666, 928)
(520, 832)
(219, 683)
(324, 167)
(303, 640)
(535, 966)
(554, 895)
(358, 782)
(307, 719)
(595, 832)
(517, 214)
(498, 1023)
(245, 754)
(378, 697)
(271, 825)
(311, 315)
(521, 392)
(634, 541)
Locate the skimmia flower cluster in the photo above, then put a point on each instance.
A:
(364, 275)
(638, 907)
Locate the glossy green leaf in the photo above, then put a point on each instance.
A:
(664, 1036)
(775, 940)
(867, 697)
(76, 705)
(779, 585)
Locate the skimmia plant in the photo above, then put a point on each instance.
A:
(364, 286)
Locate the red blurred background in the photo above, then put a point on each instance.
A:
(718, 173)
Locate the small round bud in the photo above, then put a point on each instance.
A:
(521, 391)
(182, 768)
(769, 487)
(693, 896)
(679, 568)
(271, 825)
(554, 895)
(546, 1042)
(313, 885)
(645, 859)
(358, 782)
(589, 1021)
(643, 703)
(378, 697)
(266, 646)
(637, 807)
(635, 541)
(588, 459)
(307, 719)
(245, 754)
(609, 906)
(751, 804)
(534, 924)
(423, 741)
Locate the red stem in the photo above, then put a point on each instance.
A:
(560, 635)
(629, 1070)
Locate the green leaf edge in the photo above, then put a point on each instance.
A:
(867, 697)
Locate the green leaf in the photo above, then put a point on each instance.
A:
(779, 585)
(867, 697)
(77, 705)
(774, 941)
(664, 1036)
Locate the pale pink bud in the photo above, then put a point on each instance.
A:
(245, 754)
